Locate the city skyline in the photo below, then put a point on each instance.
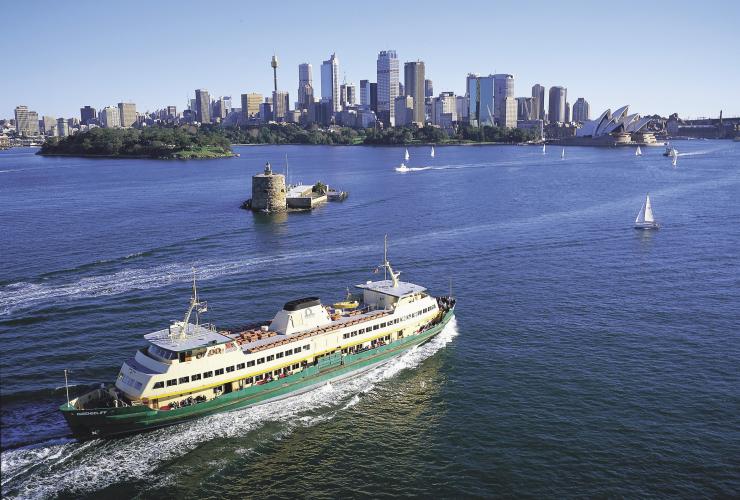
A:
(151, 73)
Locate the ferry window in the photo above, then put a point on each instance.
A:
(383, 325)
(229, 369)
(295, 366)
(158, 385)
(376, 327)
(184, 380)
(276, 372)
(345, 335)
(207, 374)
(271, 357)
(248, 380)
(306, 347)
(260, 361)
(289, 352)
(250, 363)
(220, 371)
(279, 355)
(258, 377)
(240, 366)
(172, 381)
(195, 377)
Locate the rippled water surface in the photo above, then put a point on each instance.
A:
(586, 359)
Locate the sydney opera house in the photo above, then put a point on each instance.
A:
(614, 129)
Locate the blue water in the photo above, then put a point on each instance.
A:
(587, 358)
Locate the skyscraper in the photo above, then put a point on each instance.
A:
(472, 90)
(538, 103)
(22, 126)
(567, 112)
(524, 108)
(62, 127)
(33, 123)
(109, 117)
(88, 115)
(348, 94)
(487, 113)
(251, 105)
(49, 125)
(127, 113)
(387, 68)
(280, 105)
(428, 88)
(365, 94)
(503, 88)
(305, 85)
(330, 82)
(413, 73)
(404, 110)
(581, 110)
(374, 97)
(556, 107)
(202, 106)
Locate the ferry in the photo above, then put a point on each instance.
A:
(190, 370)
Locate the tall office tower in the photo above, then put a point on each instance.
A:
(508, 119)
(219, 109)
(202, 106)
(556, 105)
(567, 112)
(472, 91)
(127, 113)
(444, 109)
(110, 117)
(365, 94)
(374, 97)
(428, 88)
(227, 103)
(265, 113)
(581, 110)
(487, 113)
(330, 83)
(538, 103)
(413, 76)
(305, 85)
(401, 89)
(348, 94)
(462, 108)
(33, 123)
(88, 115)
(62, 127)
(524, 108)
(171, 112)
(280, 105)
(251, 105)
(387, 68)
(503, 88)
(404, 110)
(22, 126)
(49, 125)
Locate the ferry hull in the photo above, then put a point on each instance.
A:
(105, 422)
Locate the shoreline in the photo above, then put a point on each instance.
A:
(138, 157)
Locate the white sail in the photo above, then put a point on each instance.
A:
(406, 155)
(675, 159)
(648, 210)
(543, 149)
(562, 154)
(432, 153)
(641, 215)
(638, 152)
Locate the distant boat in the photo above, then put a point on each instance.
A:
(406, 156)
(402, 168)
(543, 149)
(562, 154)
(675, 159)
(432, 153)
(645, 219)
(669, 151)
(638, 152)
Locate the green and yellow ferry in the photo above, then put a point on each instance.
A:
(190, 370)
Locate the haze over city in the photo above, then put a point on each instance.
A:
(663, 57)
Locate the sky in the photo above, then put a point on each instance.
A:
(659, 57)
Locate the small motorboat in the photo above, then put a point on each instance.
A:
(346, 304)
(402, 168)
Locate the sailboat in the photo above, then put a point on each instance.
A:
(638, 151)
(543, 149)
(675, 160)
(562, 154)
(432, 153)
(406, 155)
(645, 219)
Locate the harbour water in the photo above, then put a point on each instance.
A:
(587, 358)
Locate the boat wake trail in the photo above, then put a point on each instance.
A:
(466, 165)
(72, 468)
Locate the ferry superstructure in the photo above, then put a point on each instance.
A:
(191, 370)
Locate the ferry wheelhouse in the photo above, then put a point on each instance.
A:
(190, 369)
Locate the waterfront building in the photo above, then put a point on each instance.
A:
(22, 124)
(387, 72)
(348, 94)
(251, 105)
(538, 101)
(508, 117)
(524, 108)
(567, 112)
(305, 85)
(330, 82)
(503, 88)
(462, 108)
(556, 106)
(374, 97)
(127, 113)
(109, 117)
(581, 110)
(610, 128)
(33, 123)
(366, 118)
(428, 88)
(49, 125)
(280, 105)
(444, 110)
(202, 106)
(414, 78)
(88, 115)
(404, 110)
(472, 90)
(62, 127)
(486, 113)
(365, 94)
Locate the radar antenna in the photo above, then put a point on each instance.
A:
(387, 265)
(195, 305)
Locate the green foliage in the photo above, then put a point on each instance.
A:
(152, 142)
(320, 188)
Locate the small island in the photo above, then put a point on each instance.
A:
(187, 142)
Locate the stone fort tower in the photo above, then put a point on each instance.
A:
(268, 191)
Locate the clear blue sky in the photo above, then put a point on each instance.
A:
(659, 57)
